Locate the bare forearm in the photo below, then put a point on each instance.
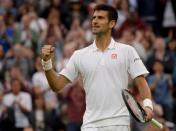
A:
(143, 88)
(54, 80)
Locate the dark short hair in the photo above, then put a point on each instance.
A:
(159, 61)
(112, 12)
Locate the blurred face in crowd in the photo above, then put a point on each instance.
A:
(101, 23)
(53, 17)
(16, 86)
(158, 67)
(159, 44)
(15, 72)
(39, 102)
(69, 49)
(18, 51)
(172, 45)
(26, 21)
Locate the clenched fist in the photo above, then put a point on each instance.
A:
(47, 52)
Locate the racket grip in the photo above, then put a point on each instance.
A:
(157, 124)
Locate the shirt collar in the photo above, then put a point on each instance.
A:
(110, 47)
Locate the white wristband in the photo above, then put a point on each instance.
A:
(147, 103)
(47, 65)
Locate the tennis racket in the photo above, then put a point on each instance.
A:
(136, 109)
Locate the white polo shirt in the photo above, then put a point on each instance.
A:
(104, 76)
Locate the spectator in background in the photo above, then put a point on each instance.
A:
(138, 45)
(127, 36)
(6, 34)
(40, 85)
(148, 12)
(74, 96)
(123, 11)
(77, 11)
(87, 24)
(56, 31)
(170, 57)
(24, 9)
(76, 34)
(16, 73)
(157, 53)
(161, 87)
(133, 22)
(68, 50)
(43, 120)
(39, 25)
(25, 35)
(7, 6)
(38, 78)
(21, 103)
(21, 56)
(6, 115)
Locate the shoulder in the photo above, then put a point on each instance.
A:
(7, 96)
(82, 50)
(124, 46)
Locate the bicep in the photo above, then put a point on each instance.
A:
(63, 80)
(140, 81)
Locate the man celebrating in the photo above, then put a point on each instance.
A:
(104, 67)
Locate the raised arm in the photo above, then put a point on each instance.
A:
(56, 82)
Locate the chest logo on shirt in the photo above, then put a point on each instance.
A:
(113, 56)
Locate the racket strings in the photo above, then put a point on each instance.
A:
(135, 108)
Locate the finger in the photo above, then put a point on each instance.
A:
(149, 114)
(52, 49)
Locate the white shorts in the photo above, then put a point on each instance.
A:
(108, 128)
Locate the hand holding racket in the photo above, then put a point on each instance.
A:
(136, 109)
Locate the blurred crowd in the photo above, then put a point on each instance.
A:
(26, 101)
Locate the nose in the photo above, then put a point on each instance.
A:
(94, 21)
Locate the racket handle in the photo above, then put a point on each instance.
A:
(157, 124)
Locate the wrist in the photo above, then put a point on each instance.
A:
(148, 103)
(47, 65)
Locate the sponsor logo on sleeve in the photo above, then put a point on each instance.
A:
(136, 59)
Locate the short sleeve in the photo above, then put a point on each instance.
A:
(135, 66)
(70, 71)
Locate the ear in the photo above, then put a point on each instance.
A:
(112, 23)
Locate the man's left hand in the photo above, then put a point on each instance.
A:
(149, 113)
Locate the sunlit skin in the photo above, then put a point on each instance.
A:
(102, 27)
(100, 23)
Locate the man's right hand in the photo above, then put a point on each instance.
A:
(47, 52)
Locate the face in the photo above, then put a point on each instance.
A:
(158, 67)
(39, 102)
(101, 23)
(16, 86)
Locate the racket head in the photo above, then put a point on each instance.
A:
(133, 106)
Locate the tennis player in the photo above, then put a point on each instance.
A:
(104, 66)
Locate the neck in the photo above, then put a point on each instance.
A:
(103, 41)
